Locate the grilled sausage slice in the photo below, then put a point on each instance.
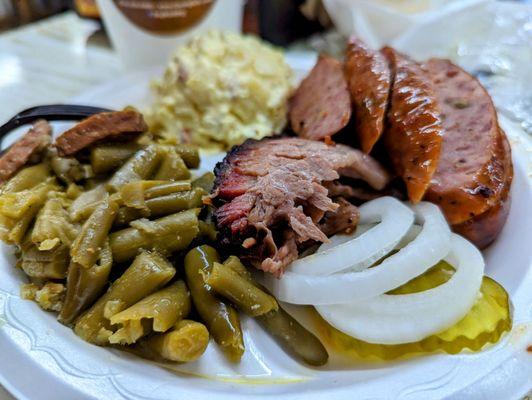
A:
(474, 169)
(369, 79)
(23, 151)
(483, 229)
(414, 136)
(321, 106)
(107, 125)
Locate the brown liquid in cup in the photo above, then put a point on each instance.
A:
(165, 17)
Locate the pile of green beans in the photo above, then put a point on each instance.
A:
(103, 229)
(78, 221)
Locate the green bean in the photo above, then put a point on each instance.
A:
(163, 205)
(186, 342)
(6, 225)
(236, 265)
(168, 234)
(167, 188)
(15, 205)
(205, 181)
(26, 178)
(52, 226)
(221, 319)
(93, 183)
(147, 273)
(175, 202)
(22, 225)
(13, 232)
(240, 291)
(85, 203)
(208, 230)
(86, 247)
(69, 169)
(84, 285)
(107, 157)
(73, 191)
(293, 337)
(50, 264)
(140, 166)
(18, 210)
(158, 312)
(172, 167)
(48, 295)
(189, 155)
(127, 214)
(290, 334)
(134, 194)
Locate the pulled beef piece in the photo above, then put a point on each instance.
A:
(106, 125)
(271, 193)
(337, 189)
(344, 219)
(25, 150)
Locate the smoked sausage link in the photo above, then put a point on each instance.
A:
(369, 79)
(106, 125)
(413, 138)
(321, 106)
(474, 174)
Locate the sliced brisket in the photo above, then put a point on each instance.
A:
(344, 219)
(273, 192)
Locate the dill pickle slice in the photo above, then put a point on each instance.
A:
(485, 323)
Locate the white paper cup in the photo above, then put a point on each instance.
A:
(140, 44)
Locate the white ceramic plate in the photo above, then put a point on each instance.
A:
(41, 359)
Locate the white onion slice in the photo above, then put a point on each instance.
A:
(363, 228)
(410, 236)
(394, 220)
(430, 246)
(341, 238)
(395, 319)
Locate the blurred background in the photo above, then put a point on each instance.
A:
(279, 21)
(300, 16)
(53, 50)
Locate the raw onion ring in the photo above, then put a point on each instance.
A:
(430, 246)
(394, 220)
(396, 319)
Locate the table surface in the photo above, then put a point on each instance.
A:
(49, 62)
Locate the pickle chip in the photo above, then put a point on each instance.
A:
(485, 323)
